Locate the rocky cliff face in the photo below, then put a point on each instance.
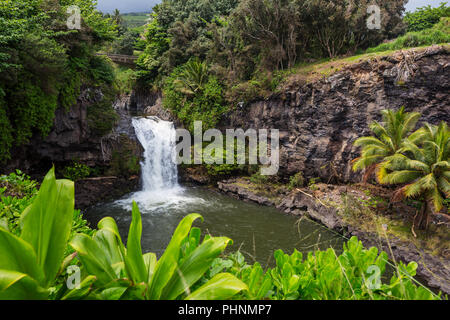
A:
(319, 121)
(73, 139)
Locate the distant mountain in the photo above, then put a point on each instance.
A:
(129, 6)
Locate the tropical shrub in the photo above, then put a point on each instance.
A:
(388, 139)
(425, 17)
(439, 33)
(192, 94)
(297, 180)
(421, 168)
(258, 178)
(76, 171)
(355, 274)
(17, 192)
(126, 273)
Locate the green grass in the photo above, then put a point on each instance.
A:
(438, 34)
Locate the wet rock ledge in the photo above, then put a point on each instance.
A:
(91, 191)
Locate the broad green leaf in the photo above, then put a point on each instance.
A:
(19, 286)
(94, 259)
(223, 286)
(81, 292)
(18, 255)
(4, 224)
(134, 262)
(193, 267)
(169, 260)
(46, 223)
(110, 245)
(150, 263)
(113, 293)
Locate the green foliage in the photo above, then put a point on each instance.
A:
(70, 89)
(101, 115)
(126, 44)
(30, 262)
(425, 17)
(259, 178)
(389, 135)
(439, 33)
(76, 171)
(17, 192)
(183, 263)
(356, 274)
(193, 95)
(421, 167)
(312, 183)
(296, 181)
(101, 70)
(418, 161)
(125, 79)
(37, 64)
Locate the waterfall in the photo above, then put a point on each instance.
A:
(160, 189)
(159, 168)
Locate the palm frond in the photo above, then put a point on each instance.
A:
(369, 141)
(409, 123)
(437, 200)
(444, 185)
(398, 177)
(412, 190)
(363, 162)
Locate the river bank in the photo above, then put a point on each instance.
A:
(362, 211)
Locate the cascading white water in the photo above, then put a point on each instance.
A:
(159, 168)
(160, 188)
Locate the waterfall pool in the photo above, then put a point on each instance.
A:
(256, 230)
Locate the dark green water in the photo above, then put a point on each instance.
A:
(256, 230)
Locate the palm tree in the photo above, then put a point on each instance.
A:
(423, 165)
(117, 18)
(193, 77)
(388, 139)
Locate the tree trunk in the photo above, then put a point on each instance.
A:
(423, 218)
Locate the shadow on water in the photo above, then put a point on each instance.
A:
(256, 230)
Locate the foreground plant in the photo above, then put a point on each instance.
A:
(126, 273)
(30, 263)
(355, 274)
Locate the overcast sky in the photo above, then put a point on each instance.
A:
(145, 5)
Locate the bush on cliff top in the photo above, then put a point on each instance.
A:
(439, 33)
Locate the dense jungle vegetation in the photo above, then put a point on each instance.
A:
(43, 65)
(207, 57)
(212, 56)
